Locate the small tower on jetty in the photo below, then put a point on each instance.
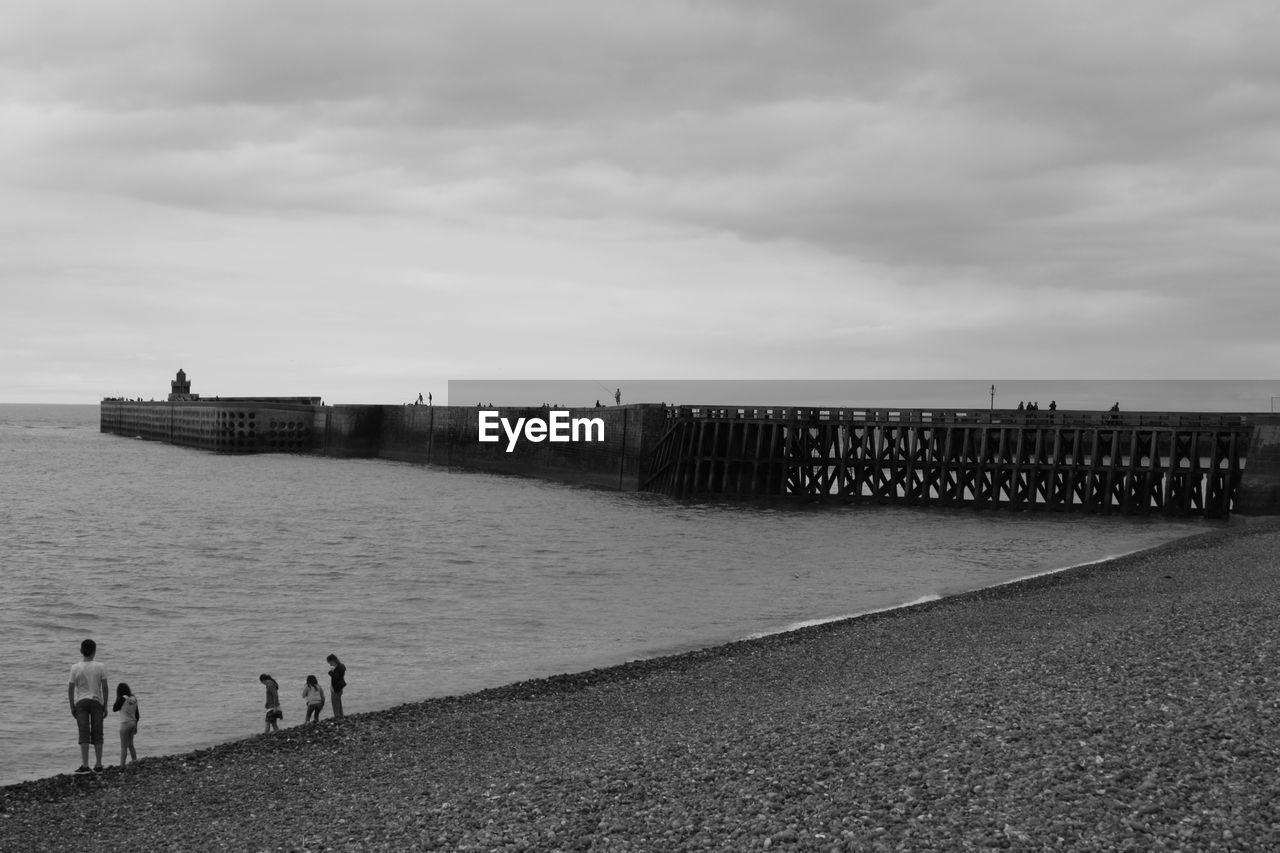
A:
(180, 388)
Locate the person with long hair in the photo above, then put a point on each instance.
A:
(127, 706)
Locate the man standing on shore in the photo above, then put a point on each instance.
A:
(87, 692)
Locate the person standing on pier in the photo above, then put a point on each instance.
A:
(617, 396)
(88, 694)
(337, 683)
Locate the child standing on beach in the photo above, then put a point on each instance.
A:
(127, 706)
(313, 693)
(273, 703)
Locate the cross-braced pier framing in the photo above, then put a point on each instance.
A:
(1175, 464)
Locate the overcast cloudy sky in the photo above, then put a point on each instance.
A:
(364, 200)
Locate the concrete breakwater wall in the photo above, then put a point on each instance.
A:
(610, 457)
(449, 435)
(230, 425)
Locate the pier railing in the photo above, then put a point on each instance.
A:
(1043, 417)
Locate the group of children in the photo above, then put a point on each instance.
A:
(312, 694)
(88, 691)
(126, 705)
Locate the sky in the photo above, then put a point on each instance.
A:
(364, 201)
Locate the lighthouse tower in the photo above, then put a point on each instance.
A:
(180, 388)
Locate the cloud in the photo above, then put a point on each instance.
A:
(792, 175)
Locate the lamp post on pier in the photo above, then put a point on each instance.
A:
(993, 398)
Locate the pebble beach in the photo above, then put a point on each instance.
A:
(1125, 705)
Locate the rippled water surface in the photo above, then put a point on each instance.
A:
(196, 572)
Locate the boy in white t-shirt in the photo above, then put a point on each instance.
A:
(87, 692)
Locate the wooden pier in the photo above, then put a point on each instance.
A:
(1101, 462)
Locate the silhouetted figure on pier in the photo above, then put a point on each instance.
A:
(617, 397)
(1116, 406)
(419, 399)
(429, 398)
(1021, 406)
(1053, 405)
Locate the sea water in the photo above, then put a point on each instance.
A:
(196, 572)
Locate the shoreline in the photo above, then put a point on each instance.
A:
(932, 597)
(669, 650)
(681, 652)
(639, 745)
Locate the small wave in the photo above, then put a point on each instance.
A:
(85, 615)
(809, 623)
(924, 599)
(331, 573)
(55, 627)
(1055, 571)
